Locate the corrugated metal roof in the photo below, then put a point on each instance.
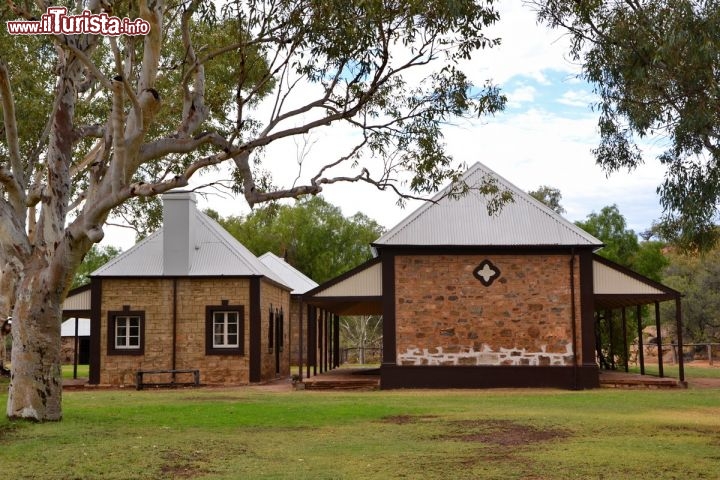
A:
(292, 277)
(216, 253)
(466, 222)
(610, 281)
(366, 282)
(143, 259)
(77, 301)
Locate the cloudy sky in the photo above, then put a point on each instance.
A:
(544, 137)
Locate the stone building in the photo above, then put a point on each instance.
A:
(472, 299)
(188, 297)
(300, 284)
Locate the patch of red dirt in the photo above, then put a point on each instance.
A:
(405, 419)
(502, 433)
(177, 466)
(703, 382)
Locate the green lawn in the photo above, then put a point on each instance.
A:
(83, 371)
(672, 371)
(248, 433)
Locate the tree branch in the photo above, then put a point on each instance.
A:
(153, 14)
(89, 64)
(166, 146)
(119, 161)
(194, 110)
(92, 131)
(13, 180)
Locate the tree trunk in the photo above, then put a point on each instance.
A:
(36, 381)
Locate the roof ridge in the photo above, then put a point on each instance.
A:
(127, 253)
(295, 279)
(427, 204)
(562, 221)
(232, 243)
(555, 229)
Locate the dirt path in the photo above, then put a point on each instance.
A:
(704, 382)
(280, 385)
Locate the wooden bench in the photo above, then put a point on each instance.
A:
(141, 373)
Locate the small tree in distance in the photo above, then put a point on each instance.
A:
(312, 236)
(361, 333)
(550, 196)
(95, 258)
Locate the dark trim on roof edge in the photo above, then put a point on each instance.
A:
(79, 313)
(316, 301)
(179, 277)
(190, 277)
(618, 300)
(80, 289)
(483, 249)
(341, 277)
(636, 276)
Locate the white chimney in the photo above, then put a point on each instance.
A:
(178, 232)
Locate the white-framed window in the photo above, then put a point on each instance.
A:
(226, 329)
(127, 332)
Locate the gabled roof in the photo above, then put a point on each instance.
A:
(465, 221)
(77, 300)
(615, 286)
(365, 280)
(292, 277)
(217, 253)
(356, 292)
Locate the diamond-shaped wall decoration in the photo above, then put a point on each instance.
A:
(486, 272)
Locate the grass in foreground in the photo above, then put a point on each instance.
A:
(249, 433)
(672, 371)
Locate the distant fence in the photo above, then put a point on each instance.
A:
(360, 355)
(691, 351)
(698, 351)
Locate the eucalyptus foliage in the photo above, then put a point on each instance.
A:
(94, 128)
(654, 65)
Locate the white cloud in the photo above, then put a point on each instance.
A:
(543, 148)
(527, 49)
(578, 98)
(521, 95)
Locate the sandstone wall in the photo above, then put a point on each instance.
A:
(270, 294)
(446, 316)
(155, 298)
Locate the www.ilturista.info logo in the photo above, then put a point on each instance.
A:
(57, 22)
